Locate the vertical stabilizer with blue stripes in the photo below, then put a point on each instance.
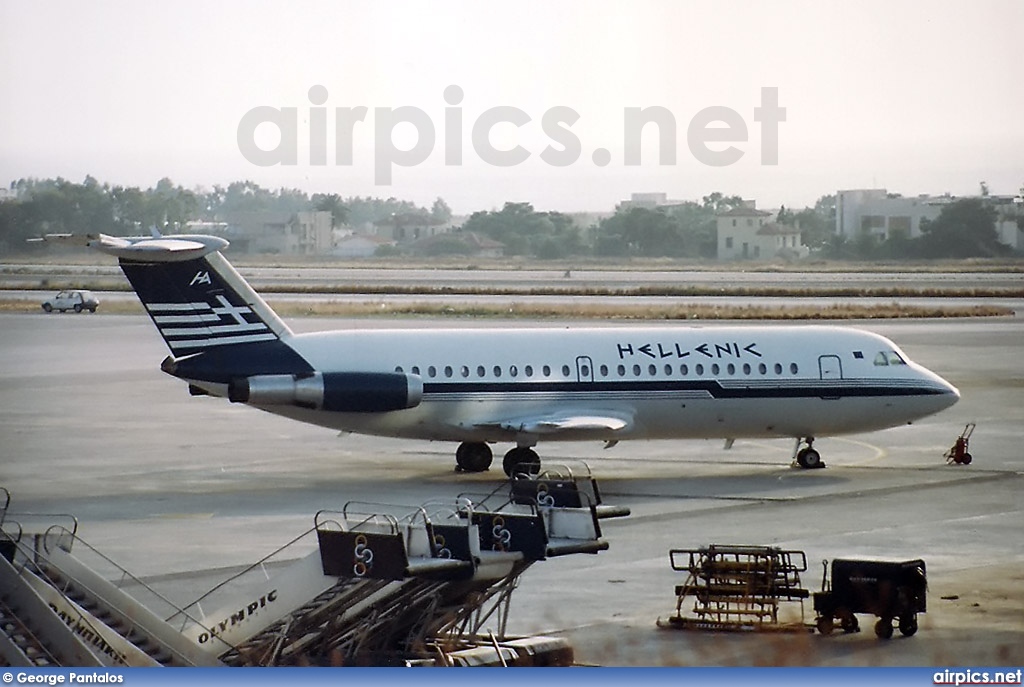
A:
(201, 303)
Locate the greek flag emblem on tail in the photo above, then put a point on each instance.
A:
(202, 303)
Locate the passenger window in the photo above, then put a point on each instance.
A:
(604, 370)
(584, 370)
(636, 370)
(731, 369)
(565, 370)
(762, 368)
(431, 371)
(514, 371)
(448, 371)
(778, 368)
(698, 370)
(668, 370)
(881, 360)
(622, 370)
(497, 371)
(715, 369)
(415, 369)
(684, 370)
(793, 369)
(464, 371)
(652, 370)
(547, 370)
(399, 369)
(746, 368)
(480, 371)
(528, 370)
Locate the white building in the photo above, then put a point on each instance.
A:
(746, 233)
(883, 214)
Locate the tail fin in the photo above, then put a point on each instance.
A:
(202, 303)
(195, 297)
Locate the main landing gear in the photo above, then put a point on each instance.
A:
(807, 457)
(477, 457)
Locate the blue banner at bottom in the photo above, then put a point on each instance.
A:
(636, 677)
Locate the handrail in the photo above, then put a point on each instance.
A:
(74, 520)
(7, 503)
(29, 556)
(124, 573)
(250, 568)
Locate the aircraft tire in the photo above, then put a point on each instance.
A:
(808, 458)
(473, 457)
(523, 459)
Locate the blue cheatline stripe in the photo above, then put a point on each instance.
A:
(714, 389)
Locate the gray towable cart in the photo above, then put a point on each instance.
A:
(889, 590)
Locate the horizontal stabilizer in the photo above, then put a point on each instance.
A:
(143, 248)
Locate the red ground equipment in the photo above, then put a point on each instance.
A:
(958, 453)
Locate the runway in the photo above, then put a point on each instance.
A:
(176, 489)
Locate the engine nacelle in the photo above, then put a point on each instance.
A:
(341, 392)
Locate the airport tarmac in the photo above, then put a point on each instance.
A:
(178, 489)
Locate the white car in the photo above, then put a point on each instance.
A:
(77, 300)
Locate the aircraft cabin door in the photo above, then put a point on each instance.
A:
(584, 369)
(830, 367)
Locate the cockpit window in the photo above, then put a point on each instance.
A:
(885, 358)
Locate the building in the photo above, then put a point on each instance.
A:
(885, 215)
(359, 246)
(882, 214)
(746, 233)
(648, 201)
(300, 233)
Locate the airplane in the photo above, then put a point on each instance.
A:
(518, 385)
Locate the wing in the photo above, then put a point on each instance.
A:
(577, 424)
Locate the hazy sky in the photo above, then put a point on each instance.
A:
(916, 97)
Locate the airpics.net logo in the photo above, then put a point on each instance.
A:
(712, 134)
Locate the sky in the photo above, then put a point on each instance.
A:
(482, 103)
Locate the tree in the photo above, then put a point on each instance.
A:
(965, 228)
(440, 213)
(333, 204)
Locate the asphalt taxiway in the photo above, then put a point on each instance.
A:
(180, 489)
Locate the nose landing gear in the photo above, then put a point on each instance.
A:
(807, 458)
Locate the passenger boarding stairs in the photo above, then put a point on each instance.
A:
(362, 586)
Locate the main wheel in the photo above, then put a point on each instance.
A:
(883, 628)
(473, 457)
(521, 459)
(808, 458)
(908, 625)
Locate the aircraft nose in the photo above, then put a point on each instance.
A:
(950, 393)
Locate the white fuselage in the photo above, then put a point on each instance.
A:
(661, 382)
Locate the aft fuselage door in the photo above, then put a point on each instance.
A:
(830, 367)
(584, 369)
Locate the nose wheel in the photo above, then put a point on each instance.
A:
(807, 457)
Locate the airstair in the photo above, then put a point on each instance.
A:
(366, 585)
